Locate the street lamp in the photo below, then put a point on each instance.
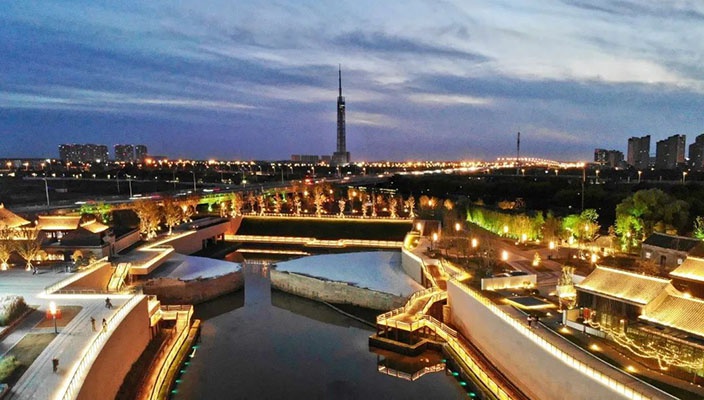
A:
(46, 189)
(458, 227)
(597, 176)
(639, 174)
(435, 239)
(684, 175)
(53, 311)
(194, 180)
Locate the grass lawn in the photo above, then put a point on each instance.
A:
(325, 229)
(67, 314)
(26, 351)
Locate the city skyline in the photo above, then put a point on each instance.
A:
(422, 80)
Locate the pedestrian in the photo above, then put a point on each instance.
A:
(108, 304)
(92, 323)
(55, 364)
(105, 325)
(530, 320)
(537, 321)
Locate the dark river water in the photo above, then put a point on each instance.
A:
(259, 344)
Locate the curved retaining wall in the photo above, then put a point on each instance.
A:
(124, 346)
(334, 292)
(174, 291)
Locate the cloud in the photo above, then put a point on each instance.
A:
(449, 99)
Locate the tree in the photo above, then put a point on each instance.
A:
(393, 206)
(552, 228)
(172, 213)
(252, 200)
(188, 207)
(237, 202)
(261, 204)
(149, 217)
(319, 199)
(648, 211)
(410, 204)
(7, 246)
(698, 228)
(28, 246)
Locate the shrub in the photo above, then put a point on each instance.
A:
(11, 308)
(7, 366)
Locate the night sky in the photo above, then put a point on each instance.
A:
(443, 80)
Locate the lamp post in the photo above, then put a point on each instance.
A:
(639, 174)
(597, 176)
(53, 310)
(46, 189)
(129, 181)
(435, 239)
(684, 175)
(194, 180)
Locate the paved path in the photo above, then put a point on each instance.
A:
(39, 381)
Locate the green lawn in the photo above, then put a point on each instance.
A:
(325, 229)
(26, 351)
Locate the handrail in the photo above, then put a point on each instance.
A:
(171, 357)
(81, 370)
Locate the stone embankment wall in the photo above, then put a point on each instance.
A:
(175, 291)
(122, 349)
(539, 373)
(334, 292)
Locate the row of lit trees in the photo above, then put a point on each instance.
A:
(171, 211)
(321, 199)
(24, 241)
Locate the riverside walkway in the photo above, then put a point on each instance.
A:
(71, 345)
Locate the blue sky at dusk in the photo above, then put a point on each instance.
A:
(444, 80)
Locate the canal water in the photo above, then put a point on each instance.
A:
(259, 344)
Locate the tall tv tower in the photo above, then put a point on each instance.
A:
(518, 154)
(341, 155)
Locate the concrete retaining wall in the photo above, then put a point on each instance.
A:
(540, 374)
(126, 241)
(411, 264)
(96, 280)
(334, 292)
(196, 242)
(123, 348)
(174, 291)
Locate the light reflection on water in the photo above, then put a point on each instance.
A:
(270, 345)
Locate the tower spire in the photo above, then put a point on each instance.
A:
(339, 77)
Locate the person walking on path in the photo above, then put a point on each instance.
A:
(105, 325)
(55, 364)
(92, 323)
(108, 304)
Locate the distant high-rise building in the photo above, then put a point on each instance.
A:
(83, 152)
(140, 152)
(696, 153)
(305, 158)
(639, 152)
(600, 156)
(341, 156)
(608, 158)
(124, 152)
(669, 153)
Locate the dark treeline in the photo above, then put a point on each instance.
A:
(560, 194)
